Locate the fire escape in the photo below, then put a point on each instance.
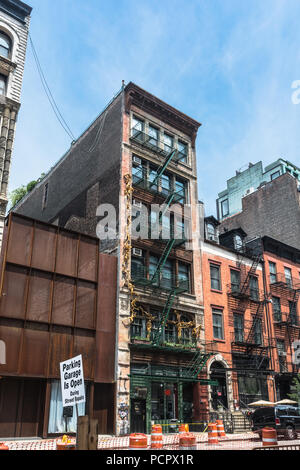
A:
(155, 281)
(250, 347)
(286, 320)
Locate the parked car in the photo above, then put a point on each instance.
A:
(284, 418)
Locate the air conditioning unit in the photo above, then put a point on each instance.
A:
(136, 160)
(136, 203)
(137, 252)
(282, 353)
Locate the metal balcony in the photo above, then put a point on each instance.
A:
(141, 277)
(280, 281)
(153, 144)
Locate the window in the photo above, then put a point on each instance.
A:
(225, 208)
(218, 324)
(165, 185)
(153, 134)
(168, 143)
(288, 276)
(138, 328)
(258, 331)
(254, 292)
(275, 175)
(184, 274)
(2, 84)
(215, 277)
(171, 330)
(238, 320)
(5, 45)
(183, 151)
(235, 277)
(276, 308)
(137, 128)
(238, 243)
(167, 275)
(137, 268)
(210, 232)
(273, 272)
(180, 189)
(153, 179)
(293, 312)
(153, 262)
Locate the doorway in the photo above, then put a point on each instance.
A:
(219, 392)
(138, 415)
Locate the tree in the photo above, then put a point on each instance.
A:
(295, 389)
(17, 194)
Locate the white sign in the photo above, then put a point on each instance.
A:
(72, 381)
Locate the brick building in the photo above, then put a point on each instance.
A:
(140, 152)
(272, 210)
(251, 305)
(14, 26)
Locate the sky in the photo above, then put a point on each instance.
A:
(229, 64)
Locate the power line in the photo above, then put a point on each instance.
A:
(49, 95)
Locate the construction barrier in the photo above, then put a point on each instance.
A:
(288, 447)
(187, 441)
(156, 437)
(269, 437)
(212, 434)
(66, 443)
(3, 446)
(183, 428)
(220, 428)
(138, 442)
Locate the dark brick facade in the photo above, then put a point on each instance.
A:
(273, 210)
(89, 174)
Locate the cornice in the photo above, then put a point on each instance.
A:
(135, 95)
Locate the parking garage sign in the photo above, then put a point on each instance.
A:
(72, 381)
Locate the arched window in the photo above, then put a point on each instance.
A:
(5, 45)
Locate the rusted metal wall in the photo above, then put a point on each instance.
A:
(55, 303)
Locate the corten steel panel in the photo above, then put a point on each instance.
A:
(63, 301)
(34, 352)
(85, 305)
(66, 256)
(61, 349)
(85, 345)
(13, 299)
(106, 319)
(20, 241)
(87, 266)
(9, 398)
(11, 335)
(39, 297)
(44, 242)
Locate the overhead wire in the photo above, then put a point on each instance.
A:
(49, 94)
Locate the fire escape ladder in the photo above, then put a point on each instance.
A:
(197, 363)
(168, 305)
(250, 273)
(258, 315)
(163, 167)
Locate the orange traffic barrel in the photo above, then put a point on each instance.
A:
(220, 428)
(156, 437)
(212, 434)
(187, 441)
(3, 446)
(138, 441)
(269, 437)
(66, 443)
(183, 428)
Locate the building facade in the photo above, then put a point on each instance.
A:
(57, 301)
(14, 28)
(230, 201)
(272, 210)
(138, 157)
(252, 308)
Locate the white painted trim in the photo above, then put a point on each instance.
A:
(217, 250)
